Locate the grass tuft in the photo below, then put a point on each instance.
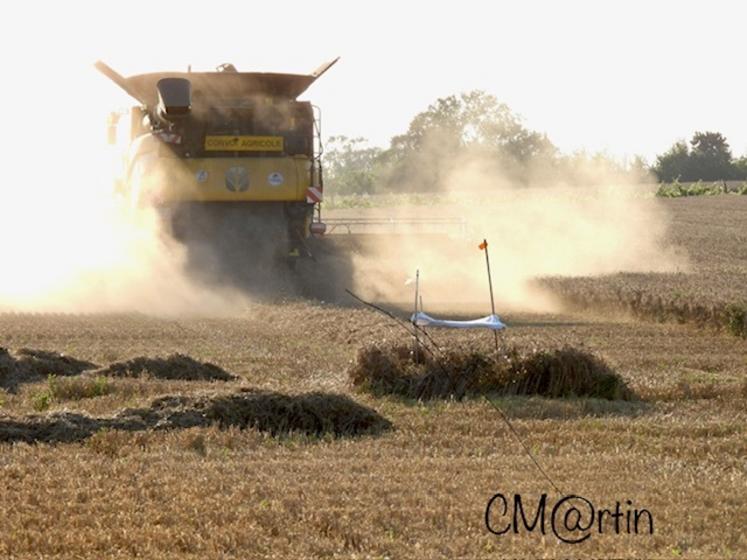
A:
(70, 389)
(197, 444)
(736, 320)
(75, 389)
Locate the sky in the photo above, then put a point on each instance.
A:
(625, 77)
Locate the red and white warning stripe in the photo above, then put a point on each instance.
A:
(313, 195)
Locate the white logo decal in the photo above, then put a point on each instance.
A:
(275, 179)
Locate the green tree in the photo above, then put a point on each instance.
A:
(673, 164)
(707, 158)
(350, 165)
(711, 157)
(740, 168)
(472, 124)
(639, 167)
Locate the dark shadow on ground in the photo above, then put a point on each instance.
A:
(278, 414)
(31, 366)
(248, 248)
(540, 408)
(175, 367)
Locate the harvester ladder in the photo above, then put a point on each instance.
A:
(317, 150)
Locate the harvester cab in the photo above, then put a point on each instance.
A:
(226, 155)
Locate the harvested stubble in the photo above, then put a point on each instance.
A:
(175, 366)
(593, 294)
(710, 231)
(562, 372)
(29, 366)
(314, 414)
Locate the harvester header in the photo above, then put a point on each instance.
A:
(224, 83)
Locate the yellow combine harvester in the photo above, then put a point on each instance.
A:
(232, 160)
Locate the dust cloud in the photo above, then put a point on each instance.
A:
(551, 227)
(84, 254)
(71, 244)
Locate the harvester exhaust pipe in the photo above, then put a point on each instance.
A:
(174, 98)
(117, 78)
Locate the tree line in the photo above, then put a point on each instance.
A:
(471, 135)
(707, 157)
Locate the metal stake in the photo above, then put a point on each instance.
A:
(415, 320)
(490, 283)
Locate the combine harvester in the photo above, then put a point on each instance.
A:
(231, 161)
(206, 147)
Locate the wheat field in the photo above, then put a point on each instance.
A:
(415, 483)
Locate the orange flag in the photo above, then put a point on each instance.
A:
(483, 245)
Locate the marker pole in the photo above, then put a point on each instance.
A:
(415, 320)
(490, 283)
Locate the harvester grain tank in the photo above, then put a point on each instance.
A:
(227, 157)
